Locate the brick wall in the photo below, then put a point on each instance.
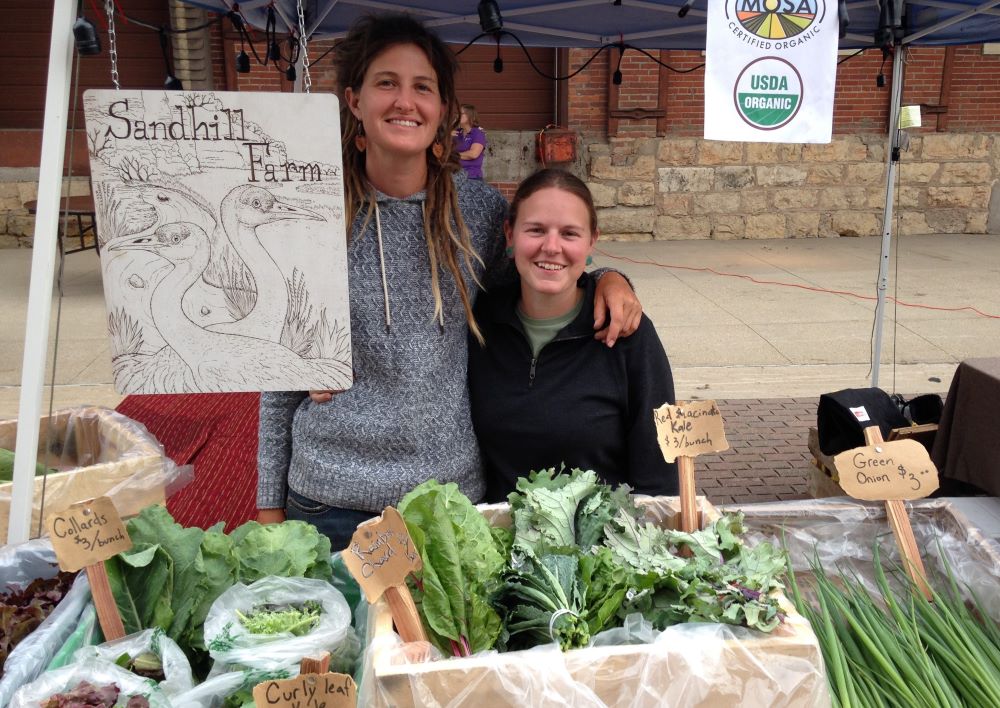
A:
(975, 90)
(218, 58)
(859, 105)
(588, 93)
(679, 186)
(507, 189)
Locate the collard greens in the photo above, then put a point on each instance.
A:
(172, 575)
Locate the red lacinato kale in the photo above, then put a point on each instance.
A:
(87, 695)
(84, 694)
(23, 609)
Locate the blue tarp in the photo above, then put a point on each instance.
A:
(650, 24)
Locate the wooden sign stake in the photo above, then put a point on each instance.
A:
(318, 664)
(684, 431)
(901, 529)
(690, 516)
(104, 603)
(380, 557)
(404, 613)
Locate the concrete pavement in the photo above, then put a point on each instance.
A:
(739, 319)
(787, 318)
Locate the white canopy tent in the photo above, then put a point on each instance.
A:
(648, 24)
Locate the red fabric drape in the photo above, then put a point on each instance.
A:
(215, 432)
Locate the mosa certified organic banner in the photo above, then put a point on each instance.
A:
(221, 230)
(770, 70)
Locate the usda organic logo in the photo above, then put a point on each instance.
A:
(768, 93)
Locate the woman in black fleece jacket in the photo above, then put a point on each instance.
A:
(544, 392)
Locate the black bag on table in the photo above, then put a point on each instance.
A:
(842, 417)
(921, 409)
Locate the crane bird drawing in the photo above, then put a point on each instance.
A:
(228, 298)
(243, 210)
(200, 359)
(227, 289)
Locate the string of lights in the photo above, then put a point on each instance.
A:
(490, 21)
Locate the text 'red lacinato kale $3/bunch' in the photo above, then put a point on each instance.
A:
(577, 560)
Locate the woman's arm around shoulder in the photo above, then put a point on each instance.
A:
(617, 310)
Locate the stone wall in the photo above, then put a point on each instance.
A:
(684, 187)
(19, 186)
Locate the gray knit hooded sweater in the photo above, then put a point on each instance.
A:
(406, 419)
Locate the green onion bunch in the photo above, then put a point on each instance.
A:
(898, 649)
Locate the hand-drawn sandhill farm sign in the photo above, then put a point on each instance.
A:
(221, 226)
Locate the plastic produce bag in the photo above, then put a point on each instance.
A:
(635, 666)
(94, 671)
(541, 681)
(86, 633)
(344, 581)
(840, 532)
(230, 643)
(21, 564)
(214, 692)
(176, 667)
(98, 452)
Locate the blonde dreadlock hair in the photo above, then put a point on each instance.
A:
(449, 244)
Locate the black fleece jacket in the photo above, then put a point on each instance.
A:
(579, 403)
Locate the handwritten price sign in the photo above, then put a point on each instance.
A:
(87, 533)
(381, 554)
(900, 469)
(307, 691)
(689, 430)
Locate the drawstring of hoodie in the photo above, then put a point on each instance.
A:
(385, 280)
(441, 310)
(381, 261)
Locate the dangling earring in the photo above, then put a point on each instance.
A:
(590, 260)
(360, 141)
(438, 150)
(509, 251)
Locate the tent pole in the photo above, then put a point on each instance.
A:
(892, 164)
(43, 261)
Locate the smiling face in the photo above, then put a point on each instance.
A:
(399, 103)
(551, 238)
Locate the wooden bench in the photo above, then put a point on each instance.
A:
(81, 208)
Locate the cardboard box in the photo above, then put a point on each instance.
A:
(95, 451)
(780, 669)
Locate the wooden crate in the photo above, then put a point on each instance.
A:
(736, 669)
(97, 449)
